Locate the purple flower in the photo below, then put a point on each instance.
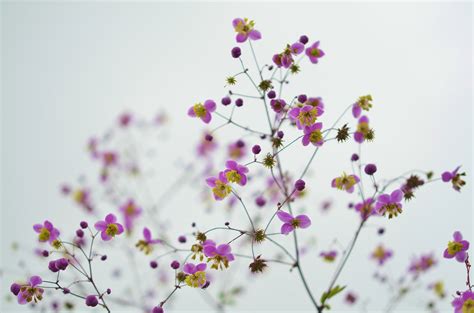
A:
(297, 48)
(455, 178)
(219, 185)
(109, 227)
(366, 208)
(244, 29)
(363, 103)
(306, 115)
(314, 53)
(422, 264)
(381, 254)
(157, 309)
(464, 303)
(220, 255)
(235, 173)
(290, 223)
(46, 232)
(390, 203)
(130, 212)
(236, 52)
(196, 275)
(237, 150)
(146, 244)
(31, 291)
(363, 131)
(312, 134)
(329, 256)
(345, 182)
(203, 111)
(278, 105)
(457, 248)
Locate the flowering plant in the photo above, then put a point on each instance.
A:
(199, 256)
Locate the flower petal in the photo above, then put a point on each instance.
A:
(284, 216)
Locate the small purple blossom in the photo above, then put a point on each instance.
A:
(235, 173)
(220, 186)
(314, 53)
(457, 248)
(390, 203)
(131, 211)
(422, 264)
(203, 111)
(312, 134)
(306, 115)
(109, 227)
(455, 178)
(278, 105)
(366, 208)
(345, 182)
(464, 303)
(31, 291)
(363, 130)
(245, 30)
(46, 231)
(220, 255)
(381, 254)
(58, 265)
(92, 301)
(329, 256)
(290, 223)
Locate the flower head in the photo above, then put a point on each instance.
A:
(455, 178)
(329, 256)
(305, 116)
(196, 275)
(203, 111)
(381, 254)
(109, 227)
(237, 150)
(363, 132)
(314, 53)
(422, 264)
(245, 29)
(457, 248)
(464, 303)
(363, 103)
(31, 291)
(130, 211)
(312, 134)
(146, 244)
(366, 208)
(278, 105)
(235, 173)
(220, 186)
(220, 255)
(390, 203)
(46, 231)
(290, 223)
(345, 182)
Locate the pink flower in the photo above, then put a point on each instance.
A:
(381, 254)
(290, 223)
(345, 182)
(422, 264)
(455, 178)
(131, 211)
(235, 173)
(457, 248)
(220, 186)
(390, 203)
(464, 303)
(363, 131)
(312, 134)
(203, 111)
(46, 232)
(244, 29)
(366, 208)
(220, 255)
(109, 227)
(329, 256)
(314, 53)
(31, 292)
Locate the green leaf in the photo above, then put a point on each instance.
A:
(331, 293)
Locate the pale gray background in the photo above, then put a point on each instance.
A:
(68, 70)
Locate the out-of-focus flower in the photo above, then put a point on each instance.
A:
(381, 254)
(146, 244)
(329, 256)
(220, 186)
(131, 211)
(438, 288)
(363, 132)
(312, 134)
(290, 223)
(366, 208)
(245, 30)
(350, 298)
(363, 103)
(220, 255)
(422, 264)
(125, 119)
(31, 291)
(109, 227)
(196, 275)
(314, 53)
(345, 182)
(46, 231)
(203, 111)
(457, 248)
(205, 146)
(237, 150)
(464, 303)
(305, 116)
(235, 173)
(278, 105)
(455, 178)
(390, 203)
(58, 265)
